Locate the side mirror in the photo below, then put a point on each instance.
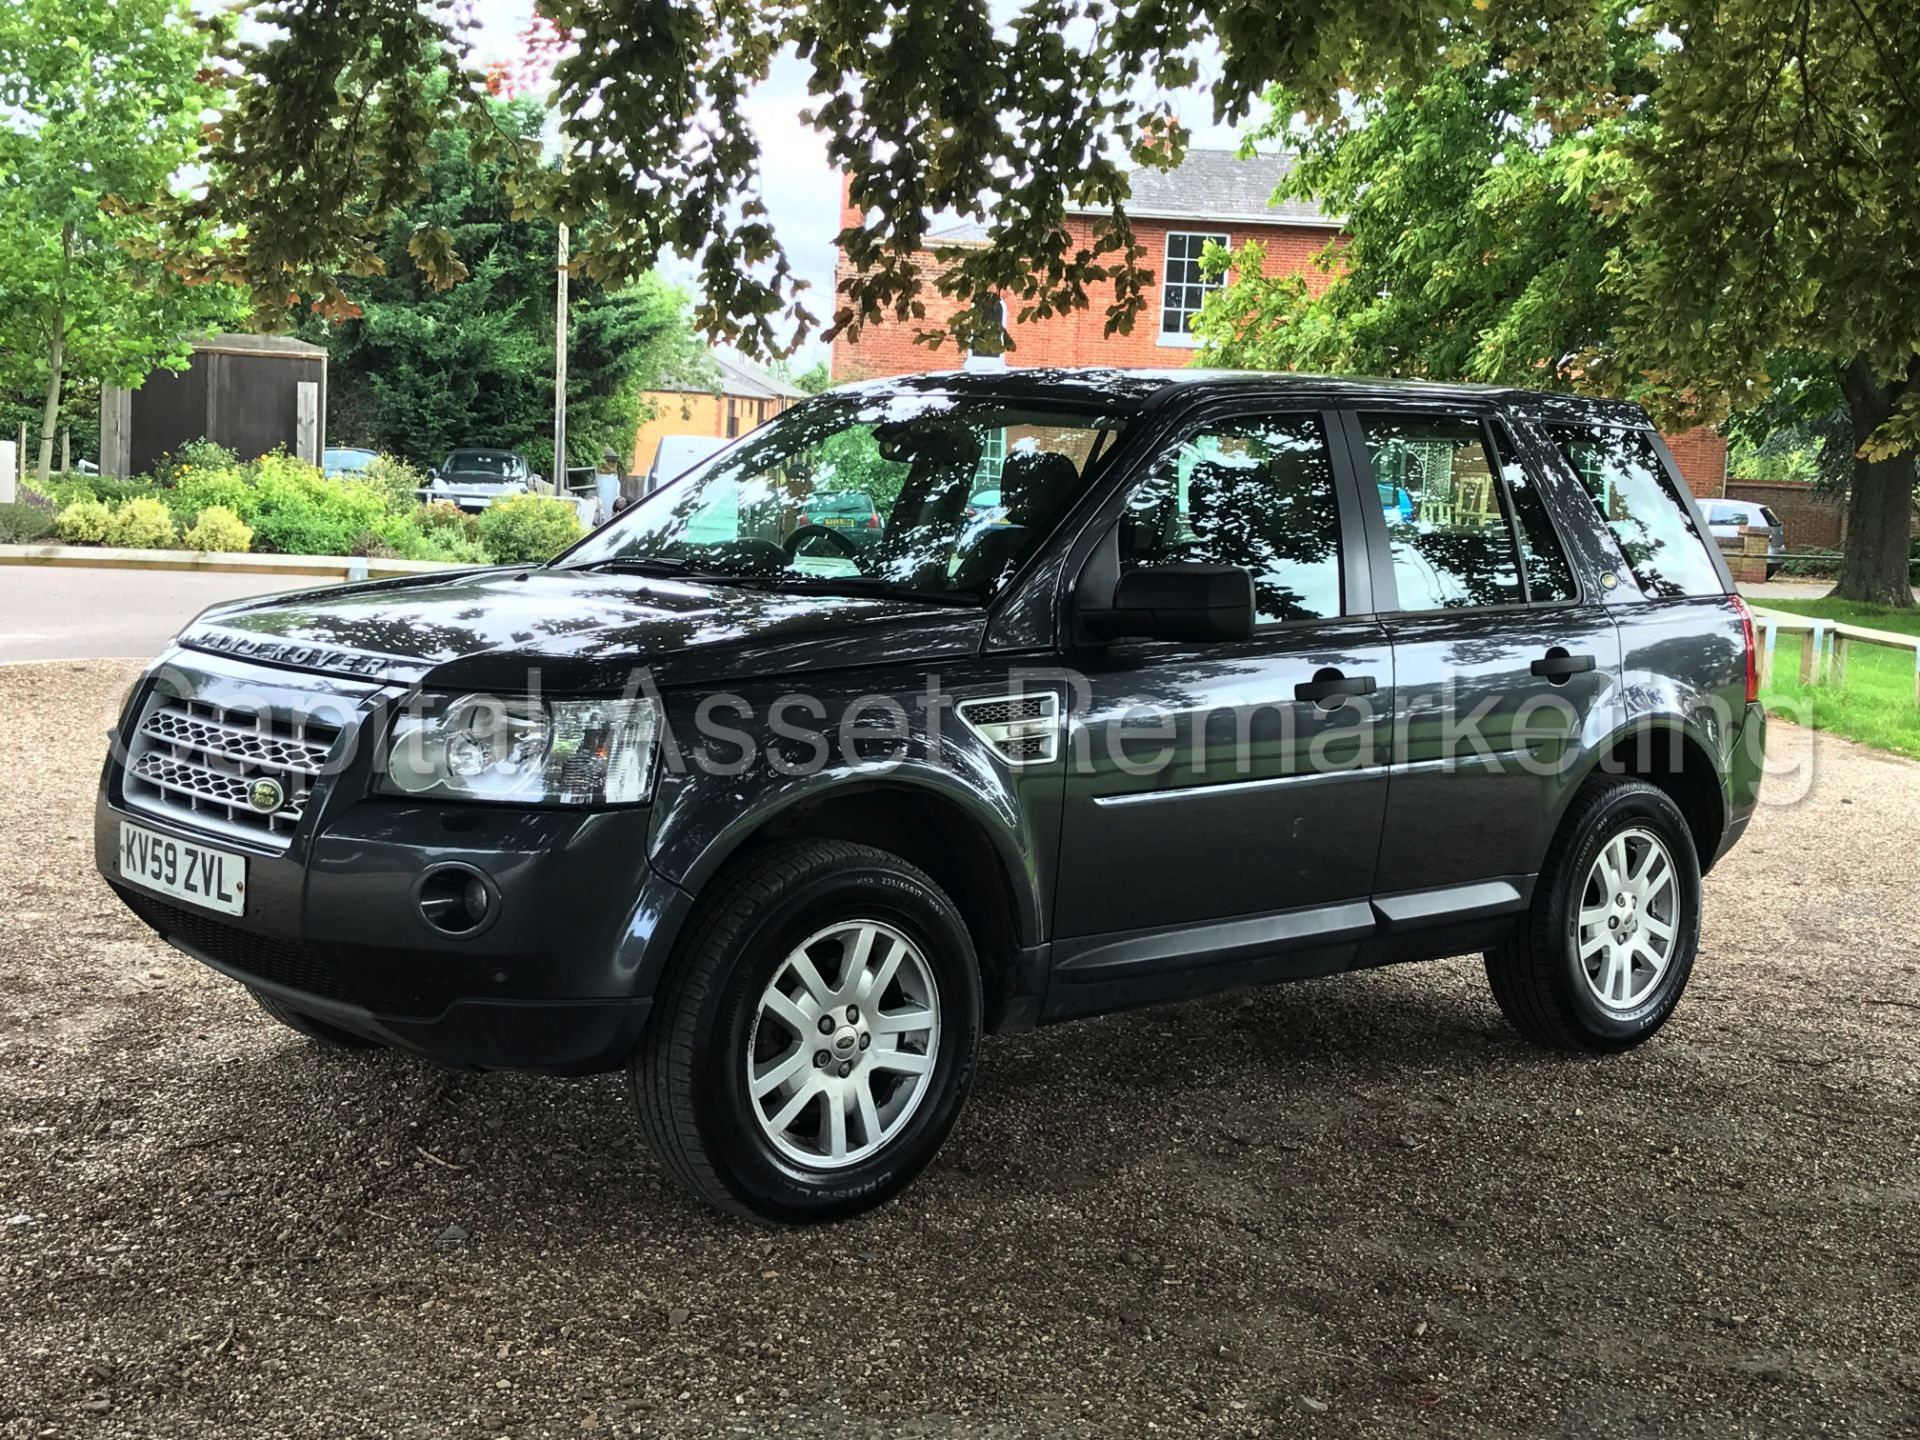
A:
(432, 473)
(1177, 602)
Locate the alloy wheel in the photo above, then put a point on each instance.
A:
(843, 1044)
(1628, 925)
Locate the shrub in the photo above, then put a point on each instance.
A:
(171, 468)
(526, 529)
(444, 515)
(219, 528)
(295, 510)
(143, 524)
(395, 479)
(70, 488)
(84, 522)
(23, 524)
(204, 490)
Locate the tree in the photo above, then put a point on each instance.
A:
(100, 104)
(1471, 249)
(1725, 220)
(419, 368)
(1775, 210)
(929, 108)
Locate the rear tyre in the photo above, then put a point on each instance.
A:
(327, 1037)
(1602, 957)
(816, 1036)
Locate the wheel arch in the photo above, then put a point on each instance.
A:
(970, 850)
(1666, 754)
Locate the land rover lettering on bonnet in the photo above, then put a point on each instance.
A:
(958, 704)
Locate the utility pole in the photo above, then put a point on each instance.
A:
(559, 476)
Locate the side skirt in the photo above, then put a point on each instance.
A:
(1095, 974)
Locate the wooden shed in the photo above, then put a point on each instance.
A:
(250, 393)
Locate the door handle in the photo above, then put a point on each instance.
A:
(1556, 665)
(1332, 685)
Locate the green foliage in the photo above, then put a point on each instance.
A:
(24, 524)
(396, 479)
(69, 488)
(528, 529)
(1004, 114)
(421, 369)
(1473, 248)
(1873, 704)
(100, 110)
(194, 455)
(445, 517)
(84, 522)
(219, 529)
(142, 524)
(850, 459)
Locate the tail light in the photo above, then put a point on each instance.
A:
(873, 520)
(805, 519)
(1753, 649)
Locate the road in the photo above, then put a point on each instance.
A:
(49, 613)
(1354, 1208)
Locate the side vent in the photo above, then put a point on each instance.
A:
(1021, 729)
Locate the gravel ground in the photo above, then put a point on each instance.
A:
(1353, 1207)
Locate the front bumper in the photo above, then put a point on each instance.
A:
(561, 982)
(560, 978)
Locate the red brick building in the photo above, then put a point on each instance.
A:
(1211, 195)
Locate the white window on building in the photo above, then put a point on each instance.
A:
(1182, 287)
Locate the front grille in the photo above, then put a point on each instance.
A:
(278, 962)
(333, 972)
(201, 765)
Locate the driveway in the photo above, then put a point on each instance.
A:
(56, 613)
(1356, 1207)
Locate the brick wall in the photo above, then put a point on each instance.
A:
(1813, 519)
(1701, 454)
(1076, 338)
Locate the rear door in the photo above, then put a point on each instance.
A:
(1505, 662)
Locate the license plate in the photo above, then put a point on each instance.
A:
(212, 879)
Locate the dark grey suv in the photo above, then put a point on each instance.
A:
(1243, 678)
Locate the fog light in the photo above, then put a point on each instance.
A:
(456, 900)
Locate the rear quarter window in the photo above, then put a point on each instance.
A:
(1640, 504)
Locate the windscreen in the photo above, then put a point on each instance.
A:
(879, 488)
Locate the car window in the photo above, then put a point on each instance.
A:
(1768, 517)
(1451, 543)
(853, 487)
(1257, 493)
(1543, 558)
(1637, 499)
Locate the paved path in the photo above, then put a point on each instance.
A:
(1791, 589)
(49, 613)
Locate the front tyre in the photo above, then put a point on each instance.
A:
(1603, 956)
(815, 1039)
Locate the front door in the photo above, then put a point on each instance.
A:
(1505, 666)
(1225, 801)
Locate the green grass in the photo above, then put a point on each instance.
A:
(1874, 705)
(1850, 612)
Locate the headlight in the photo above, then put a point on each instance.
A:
(554, 752)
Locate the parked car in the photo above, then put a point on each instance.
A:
(678, 454)
(474, 478)
(848, 513)
(1727, 518)
(345, 460)
(1204, 714)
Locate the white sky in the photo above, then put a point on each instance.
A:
(800, 187)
